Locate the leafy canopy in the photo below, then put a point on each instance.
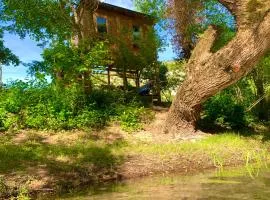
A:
(6, 56)
(40, 19)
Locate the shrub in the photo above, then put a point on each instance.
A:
(130, 118)
(38, 105)
(223, 110)
(2, 119)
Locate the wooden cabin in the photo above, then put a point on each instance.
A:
(116, 21)
(113, 20)
(120, 22)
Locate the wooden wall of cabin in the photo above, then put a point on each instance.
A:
(120, 25)
(117, 24)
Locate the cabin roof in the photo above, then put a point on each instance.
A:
(124, 11)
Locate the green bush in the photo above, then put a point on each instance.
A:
(2, 119)
(223, 110)
(129, 118)
(37, 105)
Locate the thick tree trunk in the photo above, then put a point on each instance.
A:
(86, 19)
(183, 9)
(209, 73)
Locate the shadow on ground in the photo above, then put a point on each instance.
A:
(58, 166)
(254, 130)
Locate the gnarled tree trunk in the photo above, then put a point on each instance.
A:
(209, 73)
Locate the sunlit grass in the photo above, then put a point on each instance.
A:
(221, 149)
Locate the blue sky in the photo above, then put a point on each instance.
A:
(27, 50)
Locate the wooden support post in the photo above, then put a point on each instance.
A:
(157, 85)
(125, 81)
(137, 80)
(109, 76)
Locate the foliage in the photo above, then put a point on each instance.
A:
(223, 110)
(225, 35)
(139, 57)
(27, 17)
(66, 63)
(191, 18)
(43, 106)
(6, 56)
(264, 67)
(23, 194)
(131, 117)
(260, 77)
(155, 8)
(175, 74)
(230, 108)
(163, 78)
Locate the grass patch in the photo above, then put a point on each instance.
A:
(221, 149)
(59, 157)
(62, 164)
(72, 159)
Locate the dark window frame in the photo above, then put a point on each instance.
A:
(102, 23)
(136, 35)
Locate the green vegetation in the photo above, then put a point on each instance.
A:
(6, 56)
(219, 149)
(42, 106)
(61, 154)
(81, 128)
(242, 105)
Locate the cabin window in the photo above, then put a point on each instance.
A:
(101, 25)
(136, 33)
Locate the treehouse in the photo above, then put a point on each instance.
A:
(129, 28)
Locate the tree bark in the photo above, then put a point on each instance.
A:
(85, 13)
(185, 11)
(84, 31)
(209, 73)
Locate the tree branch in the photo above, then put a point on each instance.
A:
(205, 43)
(202, 51)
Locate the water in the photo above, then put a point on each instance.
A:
(226, 184)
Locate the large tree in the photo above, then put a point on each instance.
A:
(49, 19)
(52, 20)
(193, 17)
(210, 72)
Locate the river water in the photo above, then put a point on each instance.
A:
(233, 184)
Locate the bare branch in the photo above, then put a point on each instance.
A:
(202, 51)
(205, 43)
